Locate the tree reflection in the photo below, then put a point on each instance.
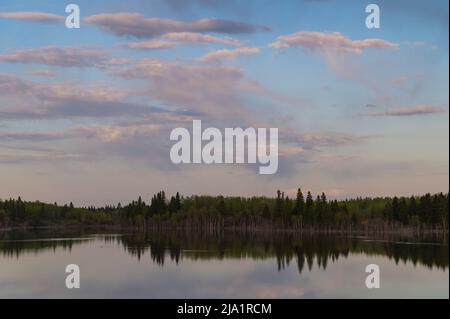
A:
(285, 248)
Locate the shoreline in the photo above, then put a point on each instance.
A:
(403, 231)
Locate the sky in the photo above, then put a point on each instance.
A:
(86, 113)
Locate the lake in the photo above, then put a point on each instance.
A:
(187, 264)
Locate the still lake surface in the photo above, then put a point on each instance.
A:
(225, 265)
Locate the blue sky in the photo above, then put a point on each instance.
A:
(85, 114)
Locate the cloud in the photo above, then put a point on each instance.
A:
(117, 61)
(27, 154)
(44, 73)
(58, 56)
(338, 52)
(82, 107)
(33, 16)
(399, 80)
(73, 107)
(409, 111)
(180, 37)
(208, 89)
(149, 45)
(336, 158)
(111, 133)
(31, 136)
(40, 158)
(10, 84)
(192, 37)
(184, 5)
(146, 142)
(213, 90)
(290, 150)
(201, 91)
(329, 41)
(137, 25)
(33, 100)
(226, 53)
(106, 133)
(321, 139)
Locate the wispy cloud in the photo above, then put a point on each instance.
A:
(338, 52)
(171, 40)
(321, 139)
(79, 56)
(42, 17)
(106, 133)
(137, 25)
(117, 62)
(329, 41)
(336, 158)
(111, 133)
(50, 157)
(31, 136)
(226, 53)
(192, 37)
(290, 150)
(44, 73)
(398, 80)
(137, 141)
(149, 45)
(205, 88)
(422, 109)
(33, 100)
(214, 90)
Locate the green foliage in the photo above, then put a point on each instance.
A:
(423, 211)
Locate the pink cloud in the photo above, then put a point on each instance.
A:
(44, 73)
(82, 56)
(329, 41)
(111, 133)
(399, 79)
(226, 53)
(149, 45)
(192, 37)
(409, 111)
(136, 24)
(32, 16)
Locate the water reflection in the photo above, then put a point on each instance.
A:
(286, 248)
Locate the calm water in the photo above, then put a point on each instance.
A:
(185, 265)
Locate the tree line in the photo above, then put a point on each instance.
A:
(302, 212)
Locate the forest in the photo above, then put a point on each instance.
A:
(304, 212)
